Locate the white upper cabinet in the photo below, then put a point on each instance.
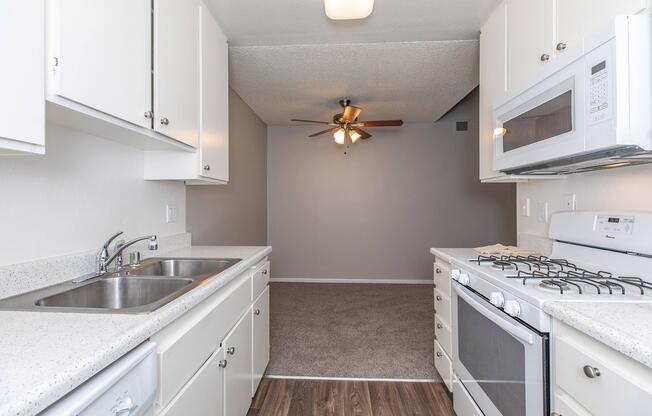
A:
(102, 51)
(176, 69)
(22, 81)
(493, 83)
(579, 18)
(530, 39)
(214, 96)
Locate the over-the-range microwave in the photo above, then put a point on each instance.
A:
(591, 110)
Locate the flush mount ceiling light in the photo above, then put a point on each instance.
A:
(348, 9)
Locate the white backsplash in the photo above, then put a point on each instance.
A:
(24, 277)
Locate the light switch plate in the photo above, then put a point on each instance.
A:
(570, 202)
(525, 207)
(171, 213)
(542, 212)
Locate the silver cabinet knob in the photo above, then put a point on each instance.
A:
(265, 271)
(439, 326)
(555, 414)
(257, 312)
(561, 46)
(438, 354)
(221, 363)
(230, 350)
(207, 167)
(591, 372)
(434, 285)
(149, 114)
(438, 297)
(545, 57)
(438, 270)
(165, 121)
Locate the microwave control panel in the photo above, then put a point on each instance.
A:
(598, 93)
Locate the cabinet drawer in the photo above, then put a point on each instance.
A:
(615, 384)
(442, 278)
(443, 307)
(203, 393)
(444, 366)
(564, 405)
(260, 278)
(186, 344)
(443, 335)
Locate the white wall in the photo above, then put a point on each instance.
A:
(84, 189)
(616, 189)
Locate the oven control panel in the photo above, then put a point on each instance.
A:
(613, 226)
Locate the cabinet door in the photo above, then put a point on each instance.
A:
(579, 18)
(202, 395)
(260, 317)
(22, 103)
(238, 371)
(530, 36)
(103, 49)
(176, 69)
(214, 79)
(493, 83)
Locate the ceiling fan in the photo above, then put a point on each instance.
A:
(345, 125)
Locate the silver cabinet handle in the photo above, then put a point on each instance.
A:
(149, 114)
(165, 121)
(438, 354)
(230, 350)
(257, 312)
(440, 326)
(438, 270)
(221, 363)
(438, 297)
(207, 167)
(561, 46)
(545, 57)
(591, 372)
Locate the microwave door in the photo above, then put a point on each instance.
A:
(501, 362)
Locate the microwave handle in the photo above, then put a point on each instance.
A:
(517, 332)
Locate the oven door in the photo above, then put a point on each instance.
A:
(500, 361)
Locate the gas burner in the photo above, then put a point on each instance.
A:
(503, 265)
(553, 284)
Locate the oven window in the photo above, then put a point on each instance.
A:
(550, 119)
(494, 358)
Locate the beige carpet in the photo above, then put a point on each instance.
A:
(352, 330)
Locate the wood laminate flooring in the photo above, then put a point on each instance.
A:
(299, 397)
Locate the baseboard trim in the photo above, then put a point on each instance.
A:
(402, 380)
(375, 281)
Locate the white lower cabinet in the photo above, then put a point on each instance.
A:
(260, 338)
(442, 345)
(203, 395)
(238, 371)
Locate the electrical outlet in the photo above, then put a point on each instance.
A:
(570, 202)
(525, 207)
(171, 213)
(542, 212)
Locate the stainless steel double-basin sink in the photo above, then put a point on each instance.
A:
(135, 289)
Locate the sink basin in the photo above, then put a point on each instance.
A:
(116, 293)
(181, 267)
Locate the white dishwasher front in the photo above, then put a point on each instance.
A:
(125, 388)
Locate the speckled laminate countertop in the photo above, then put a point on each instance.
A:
(625, 327)
(45, 355)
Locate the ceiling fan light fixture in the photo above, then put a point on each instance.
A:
(354, 135)
(340, 136)
(348, 9)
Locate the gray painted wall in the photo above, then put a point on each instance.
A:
(234, 214)
(375, 212)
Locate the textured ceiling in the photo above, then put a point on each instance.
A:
(291, 22)
(413, 81)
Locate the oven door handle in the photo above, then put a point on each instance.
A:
(517, 332)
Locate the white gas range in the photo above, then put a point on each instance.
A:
(500, 331)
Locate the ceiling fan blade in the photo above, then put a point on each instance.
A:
(363, 134)
(380, 123)
(319, 133)
(311, 121)
(350, 113)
